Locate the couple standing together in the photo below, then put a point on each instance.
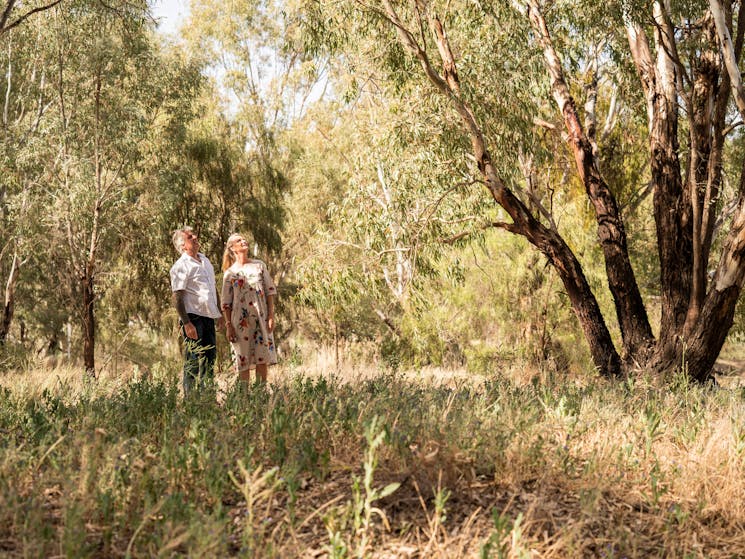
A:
(247, 308)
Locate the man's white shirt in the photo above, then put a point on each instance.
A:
(196, 278)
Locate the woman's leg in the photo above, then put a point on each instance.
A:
(245, 376)
(262, 370)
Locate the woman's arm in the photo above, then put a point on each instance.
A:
(270, 312)
(227, 305)
(229, 328)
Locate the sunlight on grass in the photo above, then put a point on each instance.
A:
(363, 462)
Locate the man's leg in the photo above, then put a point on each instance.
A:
(208, 340)
(191, 362)
(195, 353)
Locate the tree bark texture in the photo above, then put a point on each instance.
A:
(701, 105)
(698, 351)
(636, 331)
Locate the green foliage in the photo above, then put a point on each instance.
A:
(410, 186)
(357, 516)
(127, 143)
(308, 126)
(82, 162)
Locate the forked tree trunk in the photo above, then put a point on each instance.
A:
(636, 331)
(548, 241)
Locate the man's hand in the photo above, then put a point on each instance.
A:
(220, 323)
(190, 330)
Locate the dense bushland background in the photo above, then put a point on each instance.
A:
(352, 179)
(437, 395)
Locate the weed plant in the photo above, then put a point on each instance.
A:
(387, 466)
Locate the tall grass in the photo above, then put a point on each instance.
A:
(389, 465)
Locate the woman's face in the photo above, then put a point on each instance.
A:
(239, 245)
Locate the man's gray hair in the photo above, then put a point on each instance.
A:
(178, 238)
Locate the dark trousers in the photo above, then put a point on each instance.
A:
(199, 354)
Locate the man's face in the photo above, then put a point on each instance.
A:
(191, 242)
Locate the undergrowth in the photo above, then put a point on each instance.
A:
(383, 467)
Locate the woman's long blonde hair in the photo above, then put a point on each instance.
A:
(228, 257)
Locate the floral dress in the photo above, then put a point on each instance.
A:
(244, 292)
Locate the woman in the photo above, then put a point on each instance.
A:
(248, 309)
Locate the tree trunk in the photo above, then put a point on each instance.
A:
(672, 216)
(9, 303)
(706, 341)
(560, 256)
(703, 170)
(698, 351)
(548, 241)
(584, 304)
(632, 315)
(89, 327)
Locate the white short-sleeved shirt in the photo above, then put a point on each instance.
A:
(196, 278)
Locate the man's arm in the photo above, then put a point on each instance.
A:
(178, 302)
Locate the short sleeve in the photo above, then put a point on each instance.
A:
(269, 286)
(179, 276)
(227, 290)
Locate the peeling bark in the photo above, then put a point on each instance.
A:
(702, 147)
(672, 217)
(630, 310)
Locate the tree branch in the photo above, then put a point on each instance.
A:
(496, 224)
(635, 329)
(728, 53)
(6, 13)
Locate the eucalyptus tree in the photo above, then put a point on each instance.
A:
(26, 99)
(388, 215)
(259, 80)
(515, 74)
(105, 98)
(31, 65)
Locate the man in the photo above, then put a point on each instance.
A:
(195, 298)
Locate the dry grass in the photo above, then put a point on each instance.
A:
(484, 467)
